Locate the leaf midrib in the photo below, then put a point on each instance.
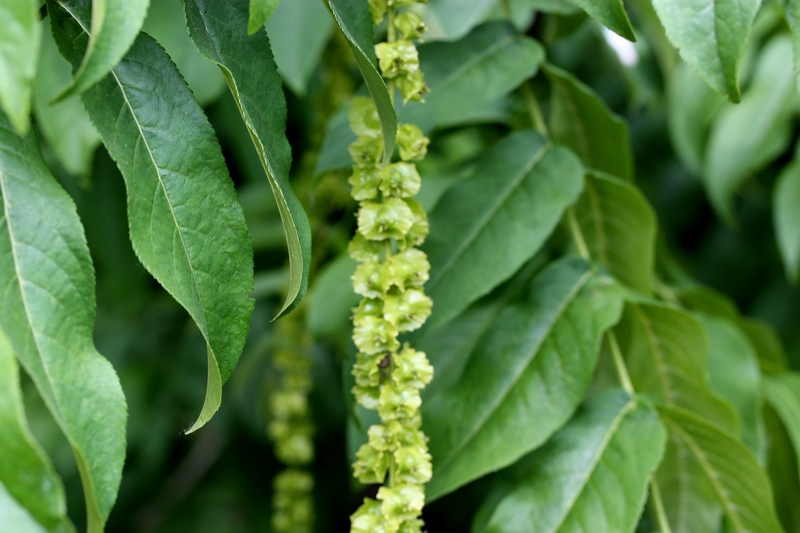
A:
(476, 60)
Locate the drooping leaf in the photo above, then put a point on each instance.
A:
(787, 218)
(715, 460)
(355, 21)
(29, 479)
(260, 13)
(748, 136)
(218, 30)
(19, 51)
(783, 395)
(594, 471)
(710, 36)
(298, 31)
(619, 227)
(611, 14)
(47, 313)
(665, 352)
(114, 26)
(186, 224)
(583, 122)
(549, 342)
(487, 226)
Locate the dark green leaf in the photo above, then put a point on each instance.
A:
(782, 467)
(793, 18)
(594, 471)
(331, 297)
(114, 26)
(710, 36)
(786, 200)
(186, 223)
(29, 480)
(619, 227)
(355, 21)
(581, 121)
(485, 227)
(218, 29)
(748, 136)
(260, 13)
(47, 313)
(611, 14)
(549, 343)
(783, 394)
(19, 50)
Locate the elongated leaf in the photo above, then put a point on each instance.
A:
(583, 122)
(619, 227)
(298, 31)
(750, 135)
(47, 313)
(186, 224)
(717, 460)
(114, 26)
(787, 218)
(793, 18)
(19, 51)
(710, 36)
(549, 343)
(782, 468)
(488, 225)
(355, 21)
(783, 394)
(665, 351)
(29, 479)
(611, 14)
(594, 471)
(218, 29)
(260, 12)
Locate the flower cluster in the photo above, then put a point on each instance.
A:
(390, 278)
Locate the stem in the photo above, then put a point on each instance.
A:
(506, 9)
(577, 235)
(661, 514)
(534, 111)
(619, 363)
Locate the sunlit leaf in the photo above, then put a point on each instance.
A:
(260, 12)
(19, 52)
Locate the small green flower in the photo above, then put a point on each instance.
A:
(407, 310)
(363, 250)
(410, 25)
(378, 10)
(367, 370)
(409, 268)
(399, 58)
(413, 144)
(401, 503)
(373, 335)
(368, 518)
(398, 402)
(419, 224)
(366, 151)
(365, 182)
(371, 464)
(392, 218)
(412, 367)
(363, 117)
(372, 280)
(400, 180)
(412, 86)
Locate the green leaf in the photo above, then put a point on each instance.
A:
(114, 26)
(793, 18)
(746, 137)
(714, 459)
(665, 352)
(74, 151)
(47, 310)
(298, 31)
(583, 122)
(218, 29)
(611, 14)
(786, 200)
(19, 50)
(710, 36)
(783, 394)
(782, 467)
(549, 342)
(186, 223)
(619, 227)
(29, 480)
(260, 13)
(486, 226)
(594, 471)
(449, 20)
(331, 297)
(355, 21)
(733, 373)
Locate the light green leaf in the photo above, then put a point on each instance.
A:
(748, 136)
(710, 36)
(486, 226)
(665, 351)
(619, 227)
(76, 150)
(298, 32)
(260, 13)
(594, 471)
(733, 373)
(710, 458)
(47, 310)
(29, 480)
(560, 7)
(793, 18)
(786, 200)
(19, 51)
(186, 223)
(355, 21)
(449, 20)
(16, 516)
(783, 394)
(114, 26)
(611, 14)
(218, 30)
(581, 121)
(549, 342)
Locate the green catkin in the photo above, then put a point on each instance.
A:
(390, 278)
(291, 429)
